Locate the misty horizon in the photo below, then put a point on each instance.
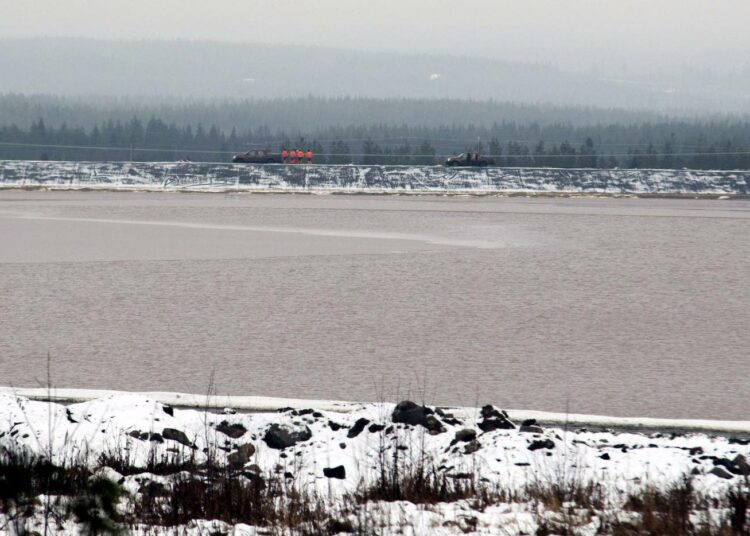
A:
(167, 68)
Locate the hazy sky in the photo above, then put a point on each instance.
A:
(643, 34)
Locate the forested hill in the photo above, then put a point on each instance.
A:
(344, 130)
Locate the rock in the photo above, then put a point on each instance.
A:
(176, 435)
(738, 466)
(154, 436)
(407, 412)
(241, 456)
(434, 425)
(335, 472)
(721, 472)
(531, 428)
(169, 410)
(494, 419)
(460, 476)
(695, 471)
(738, 441)
(334, 426)
(234, 430)
(491, 412)
(541, 444)
(472, 446)
(69, 415)
(229, 411)
(742, 465)
(355, 430)
(605, 456)
(374, 428)
(489, 425)
(467, 434)
(308, 411)
(280, 436)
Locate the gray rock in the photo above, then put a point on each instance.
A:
(176, 435)
(491, 412)
(721, 472)
(434, 425)
(407, 412)
(742, 465)
(355, 430)
(467, 434)
(238, 458)
(472, 446)
(335, 472)
(531, 429)
(541, 444)
(234, 430)
(280, 436)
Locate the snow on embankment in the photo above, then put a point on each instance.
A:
(256, 404)
(458, 441)
(153, 449)
(220, 177)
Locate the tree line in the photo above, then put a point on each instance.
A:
(714, 145)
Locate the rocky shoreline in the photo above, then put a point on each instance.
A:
(150, 449)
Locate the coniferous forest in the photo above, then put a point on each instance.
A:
(367, 131)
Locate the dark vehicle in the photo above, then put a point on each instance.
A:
(469, 160)
(257, 157)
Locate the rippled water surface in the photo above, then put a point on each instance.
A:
(614, 306)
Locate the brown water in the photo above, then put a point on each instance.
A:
(609, 306)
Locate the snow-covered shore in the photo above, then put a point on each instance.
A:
(255, 404)
(336, 449)
(218, 177)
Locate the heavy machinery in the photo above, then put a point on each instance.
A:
(257, 157)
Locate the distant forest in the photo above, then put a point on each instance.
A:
(367, 131)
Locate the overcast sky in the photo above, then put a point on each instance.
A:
(641, 34)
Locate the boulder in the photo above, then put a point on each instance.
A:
(335, 472)
(491, 412)
(529, 426)
(407, 412)
(281, 436)
(494, 419)
(472, 446)
(721, 472)
(742, 465)
(234, 430)
(355, 430)
(541, 444)
(467, 434)
(738, 466)
(238, 458)
(176, 435)
(434, 425)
